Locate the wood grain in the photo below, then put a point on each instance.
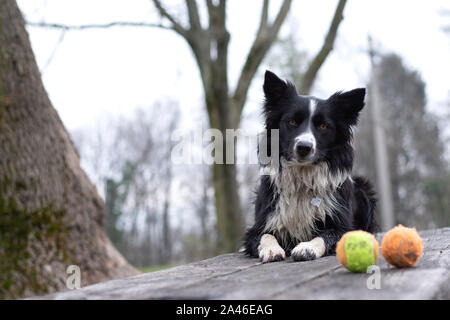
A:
(234, 276)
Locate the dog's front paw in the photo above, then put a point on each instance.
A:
(271, 254)
(269, 249)
(309, 250)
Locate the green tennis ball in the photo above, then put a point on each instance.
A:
(357, 250)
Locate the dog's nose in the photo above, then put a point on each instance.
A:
(303, 148)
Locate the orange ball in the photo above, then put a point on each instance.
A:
(402, 246)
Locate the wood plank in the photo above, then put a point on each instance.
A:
(429, 279)
(150, 285)
(234, 276)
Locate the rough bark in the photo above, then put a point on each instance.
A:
(50, 214)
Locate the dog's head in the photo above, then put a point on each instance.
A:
(311, 130)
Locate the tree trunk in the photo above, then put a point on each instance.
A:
(221, 112)
(51, 216)
(230, 222)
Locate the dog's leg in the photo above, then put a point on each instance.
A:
(309, 250)
(323, 245)
(269, 250)
(331, 238)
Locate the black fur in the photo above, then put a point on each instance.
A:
(282, 109)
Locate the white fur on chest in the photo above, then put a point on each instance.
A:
(296, 212)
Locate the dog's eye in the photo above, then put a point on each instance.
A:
(293, 123)
(323, 127)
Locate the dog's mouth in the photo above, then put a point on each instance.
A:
(302, 153)
(302, 162)
(299, 160)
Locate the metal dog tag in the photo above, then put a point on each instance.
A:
(316, 202)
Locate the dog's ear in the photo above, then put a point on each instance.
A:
(274, 87)
(277, 94)
(348, 104)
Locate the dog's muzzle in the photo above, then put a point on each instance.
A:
(304, 147)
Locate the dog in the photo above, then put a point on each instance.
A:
(310, 199)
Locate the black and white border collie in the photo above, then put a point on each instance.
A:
(310, 199)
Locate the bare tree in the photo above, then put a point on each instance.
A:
(51, 215)
(209, 45)
(203, 209)
(418, 170)
(129, 160)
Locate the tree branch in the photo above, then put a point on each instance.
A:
(222, 9)
(261, 45)
(210, 6)
(217, 14)
(264, 16)
(175, 25)
(96, 26)
(281, 16)
(194, 36)
(311, 73)
(194, 17)
(50, 58)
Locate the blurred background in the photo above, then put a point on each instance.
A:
(124, 75)
(119, 90)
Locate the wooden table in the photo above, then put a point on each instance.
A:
(235, 276)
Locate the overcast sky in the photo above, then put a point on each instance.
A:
(94, 73)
